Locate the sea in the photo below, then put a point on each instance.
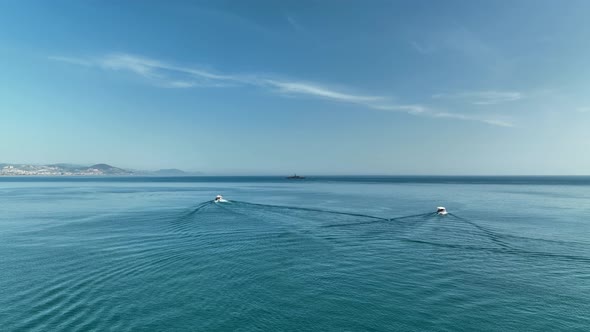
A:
(318, 254)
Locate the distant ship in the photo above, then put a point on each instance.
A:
(295, 177)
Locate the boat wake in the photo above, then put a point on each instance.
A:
(194, 255)
(430, 228)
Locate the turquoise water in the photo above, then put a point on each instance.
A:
(329, 254)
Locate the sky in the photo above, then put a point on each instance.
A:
(312, 87)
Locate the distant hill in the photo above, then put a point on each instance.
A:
(170, 172)
(105, 169)
(64, 169)
(68, 166)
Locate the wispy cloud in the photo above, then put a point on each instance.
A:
(161, 71)
(294, 23)
(453, 38)
(164, 74)
(494, 122)
(156, 72)
(488, 97)
(318, 91)
(167, 75)
(583, 109)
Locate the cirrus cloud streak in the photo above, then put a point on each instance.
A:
(167, 75)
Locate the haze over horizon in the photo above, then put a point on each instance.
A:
(386, 87)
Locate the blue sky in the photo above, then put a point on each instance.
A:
(313, 87)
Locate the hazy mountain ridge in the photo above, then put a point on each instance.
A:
(64, 169)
